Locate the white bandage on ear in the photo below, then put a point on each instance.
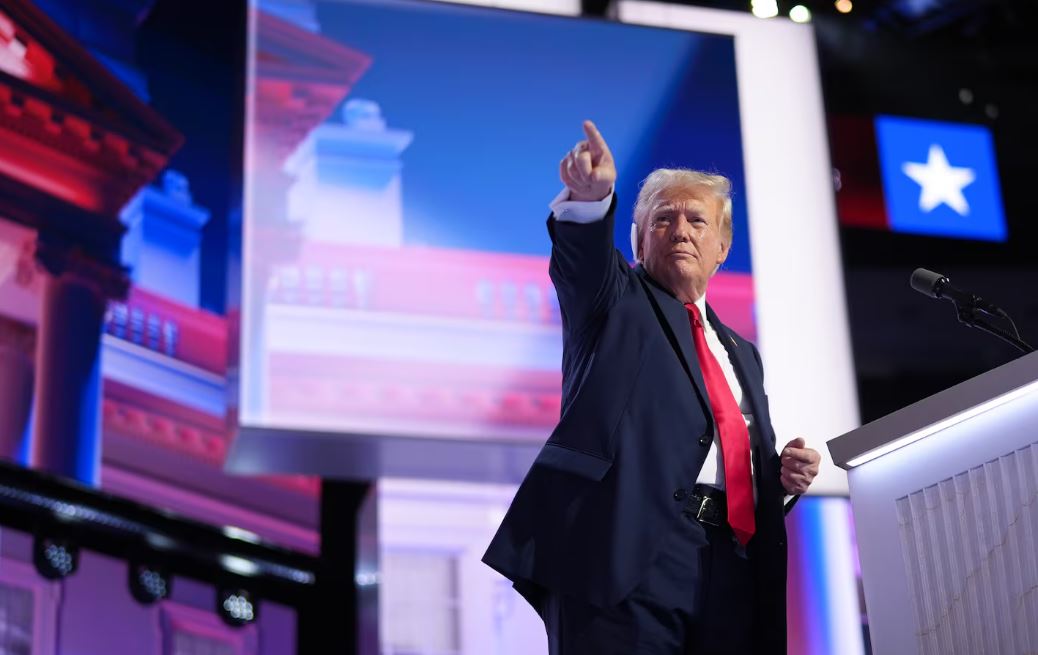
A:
(634, 242)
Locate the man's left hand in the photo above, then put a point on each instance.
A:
(799, 466)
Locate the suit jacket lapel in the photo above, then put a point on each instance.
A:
(745, 365)
(679, 332)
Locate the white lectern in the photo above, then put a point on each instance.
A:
(945, 499)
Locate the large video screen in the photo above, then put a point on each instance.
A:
(401, 262)
(400, 159)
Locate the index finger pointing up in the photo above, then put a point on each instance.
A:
(596, 143)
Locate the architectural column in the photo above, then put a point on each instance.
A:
(66, 436)
(163, 241)
(17, 343)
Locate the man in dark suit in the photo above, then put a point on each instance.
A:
(652, 520)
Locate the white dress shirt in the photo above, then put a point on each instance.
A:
(712, 472)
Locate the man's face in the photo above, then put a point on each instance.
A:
(682, 243)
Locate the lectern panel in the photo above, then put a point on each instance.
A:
(969, 545)
(946, 534)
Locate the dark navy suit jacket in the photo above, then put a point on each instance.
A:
(636, 427)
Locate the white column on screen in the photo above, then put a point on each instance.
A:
(347, 175)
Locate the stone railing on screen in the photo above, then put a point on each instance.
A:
(419, 281)
(191, 335)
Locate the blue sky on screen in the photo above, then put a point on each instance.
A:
(495, 99)
(940, 178)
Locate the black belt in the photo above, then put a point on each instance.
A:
(707, 505)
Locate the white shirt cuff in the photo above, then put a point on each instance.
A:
(577, 211)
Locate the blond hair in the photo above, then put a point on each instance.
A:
(664, 181)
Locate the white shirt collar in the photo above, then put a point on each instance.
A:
(701, 306)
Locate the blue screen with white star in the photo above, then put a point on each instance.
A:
(940, 178)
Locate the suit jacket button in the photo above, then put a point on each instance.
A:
(679, 494)
(705, 440)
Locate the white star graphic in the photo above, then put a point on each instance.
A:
(940, 182)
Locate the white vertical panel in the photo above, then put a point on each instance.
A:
(968, 553)
(1028, 471)
(842, 607)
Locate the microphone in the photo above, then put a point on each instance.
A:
(936, 285)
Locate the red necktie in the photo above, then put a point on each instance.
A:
(735, 438)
